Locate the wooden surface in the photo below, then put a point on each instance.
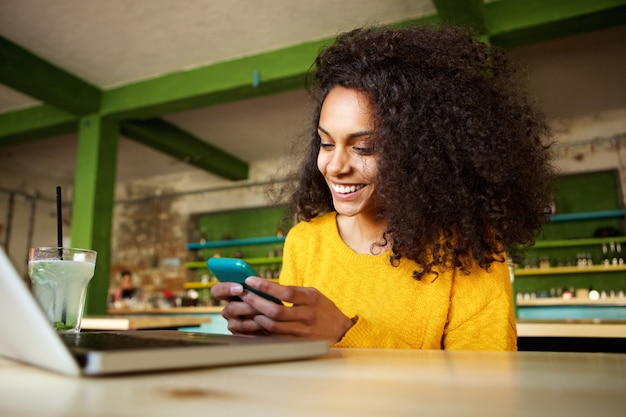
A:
(348, 382)
(588, 328)
(171, 310)
(141, 322)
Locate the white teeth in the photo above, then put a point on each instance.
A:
(346, 189)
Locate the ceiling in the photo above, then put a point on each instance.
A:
(114, 44)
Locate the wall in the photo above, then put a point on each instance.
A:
(152, 216)
(28, 216)
(593, 143)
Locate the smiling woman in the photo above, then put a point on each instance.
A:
(425, 168)
(347, 158)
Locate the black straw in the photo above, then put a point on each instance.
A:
(60, 243)
(59, 224)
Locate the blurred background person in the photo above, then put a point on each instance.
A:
(125, 289)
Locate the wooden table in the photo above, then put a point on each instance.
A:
(348, 382)
(170, 310)
(213, 321)
(141, 322)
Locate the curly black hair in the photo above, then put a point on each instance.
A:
(464, 167)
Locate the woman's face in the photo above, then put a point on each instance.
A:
(347, 157)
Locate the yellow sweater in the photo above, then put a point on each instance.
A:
(394, 310)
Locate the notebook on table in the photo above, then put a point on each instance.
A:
(28, 337)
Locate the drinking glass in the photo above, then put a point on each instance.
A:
(60, 277)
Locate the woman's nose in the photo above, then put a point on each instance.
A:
(339, 163)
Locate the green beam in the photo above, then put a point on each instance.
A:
(93, 197)
(35, 123)
(513, 23)
(276, 71)
(462, 13)
(423, 20)
(174, 141)
(31, 75)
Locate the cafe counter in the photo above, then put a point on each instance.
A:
(580, 335)
(204, 319)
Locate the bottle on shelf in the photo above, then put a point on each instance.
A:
(612, 254)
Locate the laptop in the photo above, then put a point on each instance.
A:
(28, 337)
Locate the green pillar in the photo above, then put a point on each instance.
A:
(92, 211)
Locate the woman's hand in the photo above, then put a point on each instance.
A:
(240, 315)
(310, 314)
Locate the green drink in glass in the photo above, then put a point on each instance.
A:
(60, 277)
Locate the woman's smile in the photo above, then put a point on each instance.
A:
(346, 189)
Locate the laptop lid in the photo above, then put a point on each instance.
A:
(28, 337)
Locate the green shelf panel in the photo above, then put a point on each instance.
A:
(577, 242)
(195, 265)
(520, 272)
(264, 261)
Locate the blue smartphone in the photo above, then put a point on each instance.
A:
(236, 270)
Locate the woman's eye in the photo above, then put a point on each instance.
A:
(326, 145)
(364, 151)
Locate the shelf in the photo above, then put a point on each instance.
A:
(202, 285)
(198, 285)
(251, 261)
(591, 215)
(264, 261)
(235, 242)
(578, 242)
(559, 270)
(571, 302)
